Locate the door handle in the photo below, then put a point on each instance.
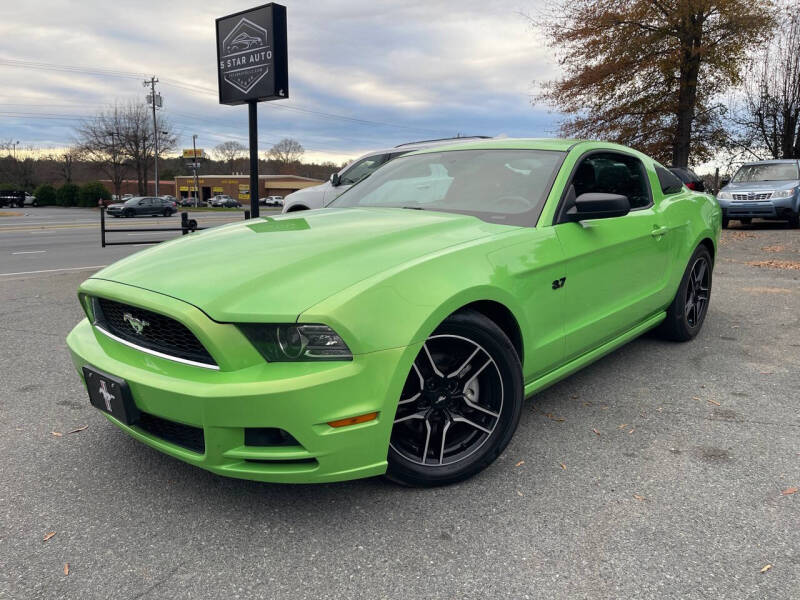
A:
(659, 231)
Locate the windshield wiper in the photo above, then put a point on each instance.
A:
(412, 207)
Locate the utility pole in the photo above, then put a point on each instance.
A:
(195, 163)
(154, 99)
(15, 144)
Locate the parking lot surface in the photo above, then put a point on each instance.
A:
(662, 471)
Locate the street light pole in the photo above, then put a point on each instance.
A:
(194, 168)
(15, 149)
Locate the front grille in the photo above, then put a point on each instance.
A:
(160, 333)
(751, 196)
(179, 434)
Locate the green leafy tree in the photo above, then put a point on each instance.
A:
(648, 73)
(45, 195)
(91, 192)
(67, 195)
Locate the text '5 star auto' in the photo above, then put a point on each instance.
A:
(398, 330)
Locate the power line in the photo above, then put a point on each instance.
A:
(25, 64)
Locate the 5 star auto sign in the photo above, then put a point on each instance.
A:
(251, 55)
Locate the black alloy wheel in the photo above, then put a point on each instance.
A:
(460, 403)
(687, 312)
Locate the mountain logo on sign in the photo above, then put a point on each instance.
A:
(245, 57)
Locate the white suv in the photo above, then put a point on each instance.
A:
(320, 195)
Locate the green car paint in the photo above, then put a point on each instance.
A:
(383, 279)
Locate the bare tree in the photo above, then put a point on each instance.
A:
(138, 140)
(286, 151)
(101, 141)
(768, 111)
(229, 152)
(65, 162)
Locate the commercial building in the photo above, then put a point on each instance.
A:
(238, 186)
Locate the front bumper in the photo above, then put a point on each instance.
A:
(778, 208)
(299, 398)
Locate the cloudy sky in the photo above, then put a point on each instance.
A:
(363, 74)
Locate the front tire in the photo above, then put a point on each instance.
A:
(686, 314)
(460, 404)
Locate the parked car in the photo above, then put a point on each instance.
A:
(768, 189)
(401, 331)
(223, 201)
(170, 198)
(689, 178)
(18, 199)
(190, 201)
(149, 206)
(320, 195)
(271, 201)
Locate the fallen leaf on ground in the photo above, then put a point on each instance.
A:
(765, 568)
(587, 403)
(789, 265)
(57, 433)
(623, 426)
(767, 372)
(48, 536)
(563, 466)
(574, 397)
(789, 491)
(520, 463)
(714, 402)
(639, 498)
(695, 397)
(632, 430)
(79, 429)
(519, 493)
(66, 568)
(597, 432)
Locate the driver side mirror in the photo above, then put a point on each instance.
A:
(335, 180)
(595, 205)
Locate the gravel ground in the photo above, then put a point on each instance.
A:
(661, 471)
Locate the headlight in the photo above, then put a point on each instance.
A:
(725, 196)
(784, 193)
(293, 343)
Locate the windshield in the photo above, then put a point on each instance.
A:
(506, 186)
(767, 172)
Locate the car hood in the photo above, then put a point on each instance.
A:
(272, 269)
(116, 205)
(760, 185)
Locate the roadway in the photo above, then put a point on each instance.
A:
(51, 240)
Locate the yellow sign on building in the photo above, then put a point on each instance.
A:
(244, 191)
(192, 153)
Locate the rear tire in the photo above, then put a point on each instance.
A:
(460, 405)
(687, 312)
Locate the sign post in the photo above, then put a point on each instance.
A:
(252, 67)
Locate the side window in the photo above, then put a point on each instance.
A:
(145, 202)
(670, 183)
(363, 168)
(612, 173)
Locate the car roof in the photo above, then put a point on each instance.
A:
(553, 144)
(776, 161)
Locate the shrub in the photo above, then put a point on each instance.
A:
(45, 195)
(67, 195)
(91, 192)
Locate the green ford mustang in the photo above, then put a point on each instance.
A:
(400, 329)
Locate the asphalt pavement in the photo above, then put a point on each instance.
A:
(662, 471)
(54, 239)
